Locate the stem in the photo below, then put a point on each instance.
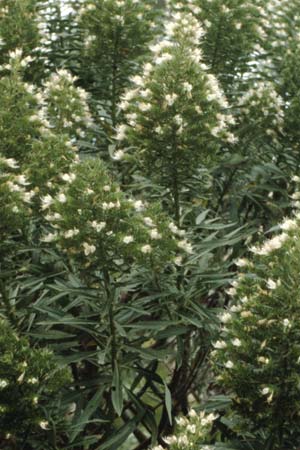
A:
(9, 309)
(175, 184)
(176, 198)
(110, 299)
(114, 82)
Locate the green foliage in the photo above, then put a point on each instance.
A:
(233, 30)
(98, 227)
(115, 34)
(122, 269)
(19, 27)
(29, 380)
(258, 356)
(174, 112)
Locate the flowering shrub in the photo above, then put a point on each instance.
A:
(19, 26)
(192, 432)
(115, 34)
(257, 357)
(15, 198)
(233, 31)
(29, 382)
(176, 111)
(19, 102)
(261, 114)
(66, 105)
(96, 225)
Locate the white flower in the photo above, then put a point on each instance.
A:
(270, 245)
(288, 224)
(22, 180)
(148, 221)
(144, 106)
(287, 323)
(32, 380)
(183, 441)
(71, 233)
(88, 249)
(192, 413)
(170, 99)
(229, 365)
(263, 360)
(271, 284)
(170, 440)
(225, 317)
(128, 239)
(61, 197)
(220, 345)
(164, 57)
(154, 234)
(241, 262)
(139, 205)
(118, 155)
(50, 237)
(138, 80)
(178, 260)
(11, 162)
(3, 384)
(44, 424)
(186, 246)
(146, 249)
(265, 391)
(13, 187)
(27, 196)
(98, 226)
(68, 177)
(236, 342)
(47, 201)
(231, 291)
(121, 132)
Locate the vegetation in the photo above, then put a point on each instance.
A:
(149, 225)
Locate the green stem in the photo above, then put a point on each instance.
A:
(9, 309)
(114, 82)
(112, 327)
(175, 183)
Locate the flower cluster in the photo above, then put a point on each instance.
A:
(191, 431)
(262, 109)
(29, 379)
(32, 125)
(175, 112)
(15, 197)
(19, 27)
(257, 356)
(97, 226)
(232, 30)
(67, 108)
(19, 103)
(110, 59)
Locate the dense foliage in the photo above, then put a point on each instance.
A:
(146, 149)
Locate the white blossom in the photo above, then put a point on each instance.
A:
(88, 249)
(146, 249)
(128, 239)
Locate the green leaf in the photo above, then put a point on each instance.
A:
(82, 419)
(116, 392)
(168, 402)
